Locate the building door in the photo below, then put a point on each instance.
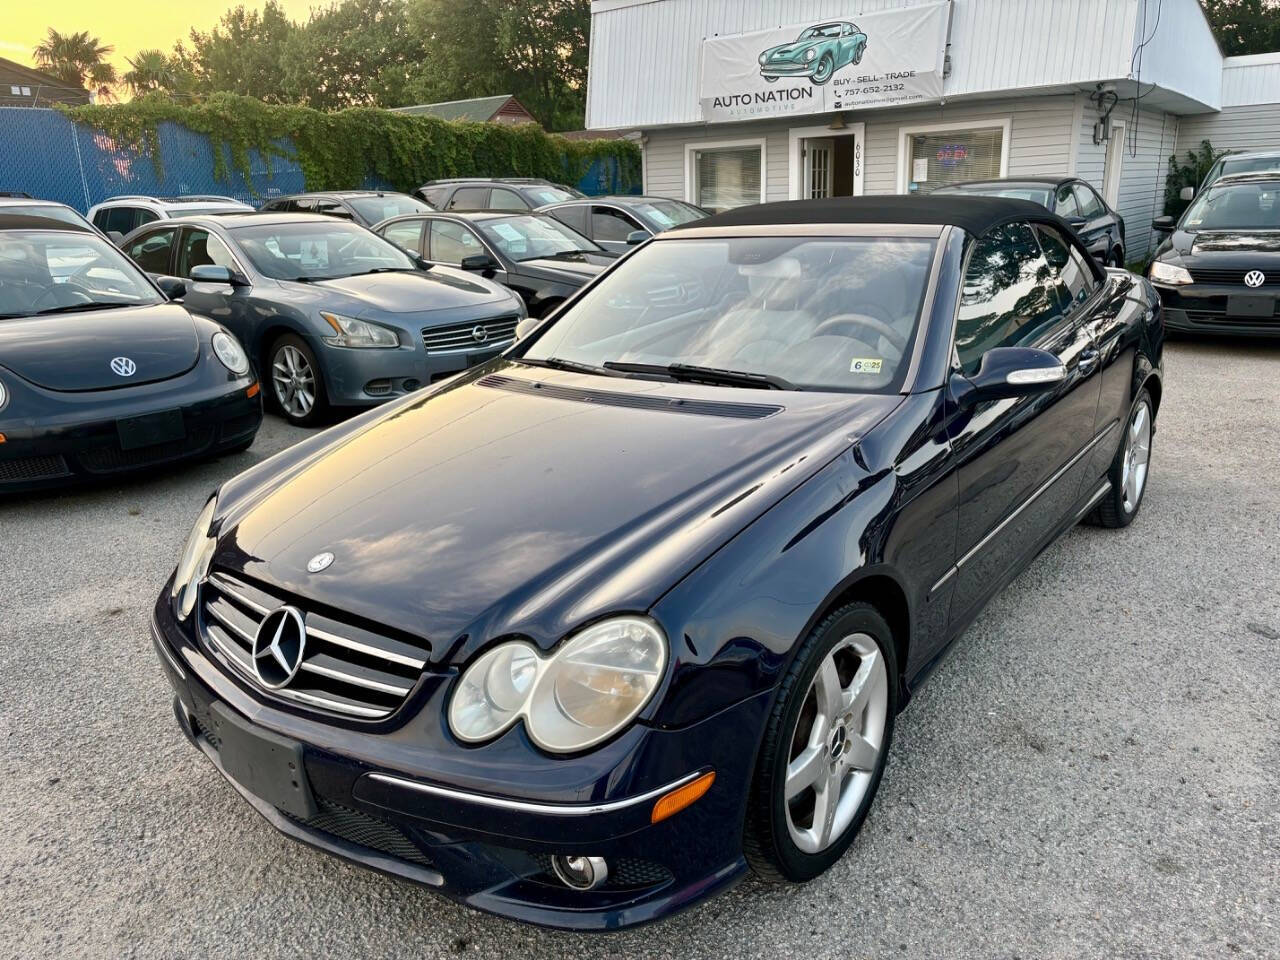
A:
(818, 167)
(1115, 161)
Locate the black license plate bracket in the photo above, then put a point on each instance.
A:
(1244, 305)
(150, 429)
(265, 763)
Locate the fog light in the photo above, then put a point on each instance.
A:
(378, 388)
(581, 873)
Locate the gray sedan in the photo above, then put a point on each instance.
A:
(333, 315)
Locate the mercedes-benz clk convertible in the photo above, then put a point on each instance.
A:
(585, 633)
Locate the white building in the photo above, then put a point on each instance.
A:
(939, 92)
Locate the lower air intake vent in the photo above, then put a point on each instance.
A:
(704, 408)
(362, 830)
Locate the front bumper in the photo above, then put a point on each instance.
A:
(361, 378)
(788, 68)
(381, 805)
(74, 437)
(1207, 308)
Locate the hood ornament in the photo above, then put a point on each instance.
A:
(123, 367)
(320, 561)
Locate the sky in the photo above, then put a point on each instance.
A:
(129, 26)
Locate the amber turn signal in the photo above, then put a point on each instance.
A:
(681, 797)
(252, 390)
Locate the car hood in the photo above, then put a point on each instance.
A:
(789, 51)
(575, 271)
(73, 351)
(1222, 248)
(411, 292)
(523, 500)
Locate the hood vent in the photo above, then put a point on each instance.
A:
(703, 408)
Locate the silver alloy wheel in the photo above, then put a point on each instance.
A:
(1137, 454)
(836, 743)
(294, 381)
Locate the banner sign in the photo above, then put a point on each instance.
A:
(888, 58)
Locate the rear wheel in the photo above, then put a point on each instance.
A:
(825, 747)
(296, 383)
(1130, 469)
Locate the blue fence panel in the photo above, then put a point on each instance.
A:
(38, 156)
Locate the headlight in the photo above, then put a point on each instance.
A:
(583, 693)
(230, 353)
(764, 56)
(810, 53)
(1168, 273)
(349, 332)
(193, 564)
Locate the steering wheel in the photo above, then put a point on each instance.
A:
(858, 320)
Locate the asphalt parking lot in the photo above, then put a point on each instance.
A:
(1094, 772)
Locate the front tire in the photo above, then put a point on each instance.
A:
(1130, 469)
(823, 71)
(824, 748)
(297, 385)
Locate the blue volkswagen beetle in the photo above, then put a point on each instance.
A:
(817, 53)
(584, 633)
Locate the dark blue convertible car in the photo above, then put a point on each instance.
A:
(583, 634)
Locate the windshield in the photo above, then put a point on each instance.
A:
(50, 271)
(528, 238)
(384, 206)
(1035, 194)
(1236, 206)
(1247, 165)
(318, 250)
(49, 211)
(826, 30)
(668, 213)
(544, 195)
(818, 313)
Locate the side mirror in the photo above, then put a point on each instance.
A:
(637, 237)
(115, 236)
(1009, 372)
(1187, 193)
(216, 273)
(477, 263)
(1163, 224)
(175, 288)
(526, 327)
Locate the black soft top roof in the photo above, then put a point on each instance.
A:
(19, 221)
(976, 215)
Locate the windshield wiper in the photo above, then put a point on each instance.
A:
(365, 273)
(558, 363)
(689, 373)
(77, 307)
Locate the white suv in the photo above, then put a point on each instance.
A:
(121, 215)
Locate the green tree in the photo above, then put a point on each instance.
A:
(243, 53)
(78, 60)
(1245, 26)
(152, 71)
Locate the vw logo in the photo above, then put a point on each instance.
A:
(278, 647)
(123, 367)
(1255, 278)
(479, 334)
(320, 561)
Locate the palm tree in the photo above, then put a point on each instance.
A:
(78, 60)
(151, 72)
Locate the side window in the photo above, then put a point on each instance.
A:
(146, 216)
(1071, 275)
(332, 208)
(1090, 205)
(1065, 204)
(469, 198)
(199, 248)
(574, 217)
(434, 195)
(1008, 298)
(121, 219)
(450, 242)
(151, 252)
(304, 205)
(283, 205)
(608, 224)
(406, 234)
(100, 219)
(503, 199)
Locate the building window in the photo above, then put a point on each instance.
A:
(15, 91)
(724, 176)
(950, 153)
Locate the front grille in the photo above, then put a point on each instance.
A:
(110, 458)
(32, 468)
(345, 669)
(1204, 275)
(360, 829)
(1220, 318)
(457, 337)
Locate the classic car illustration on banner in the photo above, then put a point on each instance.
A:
(817, 53)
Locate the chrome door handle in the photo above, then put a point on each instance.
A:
(1089, 361)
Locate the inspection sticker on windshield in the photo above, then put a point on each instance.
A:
(866, 365)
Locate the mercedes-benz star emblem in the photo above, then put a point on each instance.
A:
(479, 334)
(1255, 279)
(278, 647)
(320, 561)
(123, 367)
